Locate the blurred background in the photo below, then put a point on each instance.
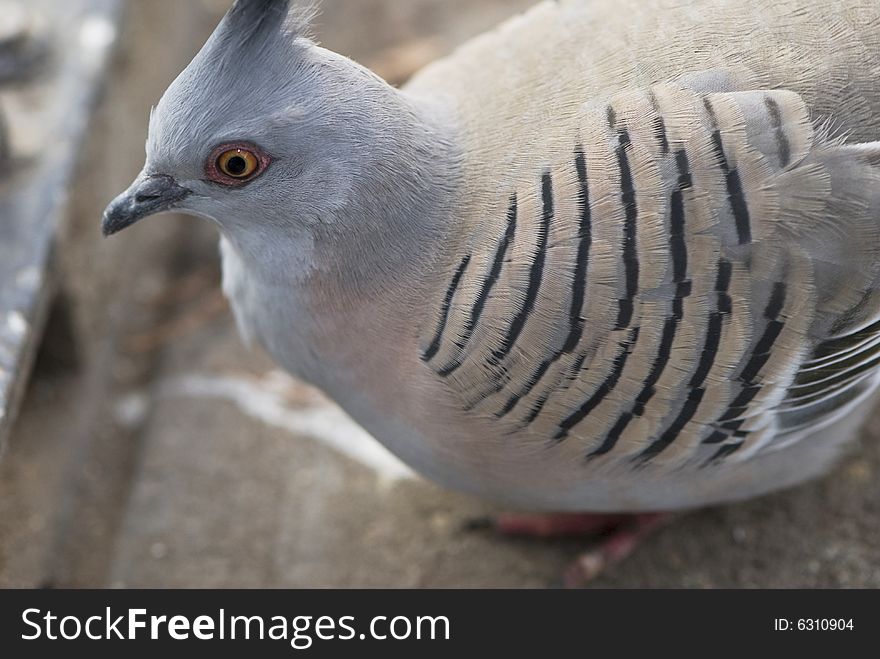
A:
(152, 449)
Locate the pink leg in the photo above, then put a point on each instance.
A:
(616, 546)
(557, 525)
(618, 537)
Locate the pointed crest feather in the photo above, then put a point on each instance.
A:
(248, 20)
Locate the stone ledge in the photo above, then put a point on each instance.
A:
(45, 119)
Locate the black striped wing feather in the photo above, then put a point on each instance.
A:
(839, 372)
(652, 288)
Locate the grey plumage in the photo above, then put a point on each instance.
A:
(605, 257)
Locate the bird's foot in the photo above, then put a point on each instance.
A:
(617, 537)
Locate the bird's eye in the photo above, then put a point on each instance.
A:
(236, 164)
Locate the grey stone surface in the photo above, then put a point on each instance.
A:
(42, 128)
(173, 456)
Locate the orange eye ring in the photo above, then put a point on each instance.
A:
(236, 164)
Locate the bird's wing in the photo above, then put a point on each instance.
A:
(839, 373)
(688, 274)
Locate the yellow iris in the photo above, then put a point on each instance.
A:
(237, 163)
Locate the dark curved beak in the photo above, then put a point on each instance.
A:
(147, 196)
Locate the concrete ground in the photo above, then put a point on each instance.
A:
(155, 450)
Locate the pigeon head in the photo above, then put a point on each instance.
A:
(263, 130)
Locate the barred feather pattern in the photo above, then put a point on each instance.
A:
(650, 298)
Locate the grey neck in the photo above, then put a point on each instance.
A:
(400, 216)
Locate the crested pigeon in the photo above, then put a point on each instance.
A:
(613, 256)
